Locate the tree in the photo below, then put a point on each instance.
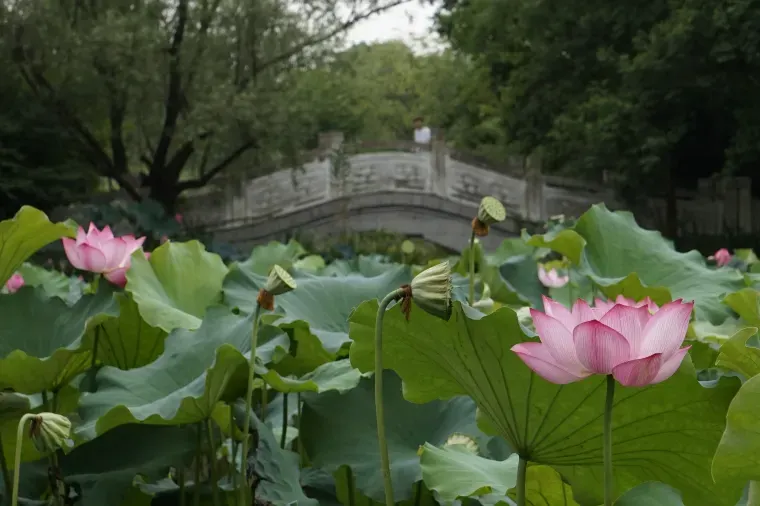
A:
(658, 94)
(186, 88)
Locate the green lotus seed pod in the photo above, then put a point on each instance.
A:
(431, 290)
(279, 281)
(49, 431)
(491, 211)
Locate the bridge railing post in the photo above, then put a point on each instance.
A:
(534, 204)
(438, 153)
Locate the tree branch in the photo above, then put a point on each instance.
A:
(208, 176)
(174, 99)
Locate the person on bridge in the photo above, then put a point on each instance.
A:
(421, 132)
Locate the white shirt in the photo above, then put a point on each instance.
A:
(422, 135)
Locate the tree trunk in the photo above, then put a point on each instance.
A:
(163, 192)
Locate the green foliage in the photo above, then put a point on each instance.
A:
(145, 374)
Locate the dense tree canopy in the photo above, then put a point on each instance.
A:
(181, 89)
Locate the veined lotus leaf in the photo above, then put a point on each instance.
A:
(24, 234)
(176, 285)
(674, 426)
(41, 344)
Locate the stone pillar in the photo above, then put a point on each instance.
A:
(438, 153)
(736, 194)
(328, 144)
(534, 205)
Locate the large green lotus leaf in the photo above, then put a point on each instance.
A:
(22, 235)
(365, 265)
(339, 376)
(324, 302)
(125, 341)
(54, 283)
(264, 257)
(738, 356)
(175, 286)
(610, 245)
(197, 370)
(746, 303)
(651, 494)
(706, 332)
(341, 430)
(737, 458)
(41, 337)
(454, 472)
(105, 468)
(674, 426)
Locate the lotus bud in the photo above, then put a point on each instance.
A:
(49, 431)
(490, 211)
(431, 290)
(278, 282)
(463, 442)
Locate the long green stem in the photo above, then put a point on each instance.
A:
(384, 457)
(197, 474)
(609, 481)
(17, 457)
(7, 479)
(248, 402)
(212, 462)
(283, 436)
(471, 298)
(522, 468)
(93, 382)
(181, 479)
(234, 446)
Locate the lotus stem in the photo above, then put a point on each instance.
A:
(234, 445)
(264, 399)
(379, 412)
(283, 436)
(212, 462)
(609, 481)
(17, 457)
(181, 479)
(248, 402)
(350, 485)
(197, 470)
(471, 298)
(301, 449)
(96, 340)
(522, 468)
(7, 479)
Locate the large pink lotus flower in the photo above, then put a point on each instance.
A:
(722, 257)
(635, 346)
(551, 279)
(14, 283)
(100, 252)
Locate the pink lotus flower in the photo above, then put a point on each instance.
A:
(551, 279)
(721, 257)
(100, 252)
(635, 346)
(178, 218)
(14, 283)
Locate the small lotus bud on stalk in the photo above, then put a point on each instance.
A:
(431, 290)
(278, 283)
(48, 431)
(490, 211)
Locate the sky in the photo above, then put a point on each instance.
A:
(407, 22)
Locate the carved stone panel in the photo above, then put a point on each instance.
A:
(467, 183)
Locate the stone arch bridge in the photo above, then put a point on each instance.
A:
(431, 192)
